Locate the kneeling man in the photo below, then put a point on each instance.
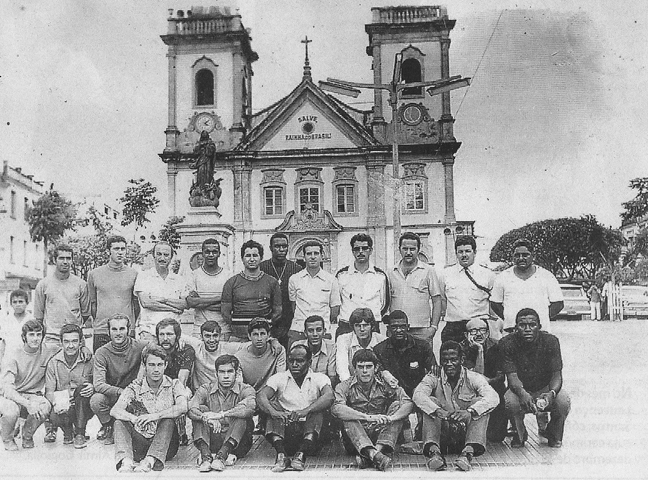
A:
(457, 403)
(532, 362)
(145, 416)
(221, 413)
(373, 412)
(295, 401)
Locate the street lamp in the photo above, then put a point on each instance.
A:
(394, 87)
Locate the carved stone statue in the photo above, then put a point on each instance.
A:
(204, 190)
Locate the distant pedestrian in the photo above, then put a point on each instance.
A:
(594, 295)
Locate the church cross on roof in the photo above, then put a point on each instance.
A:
(307, 68)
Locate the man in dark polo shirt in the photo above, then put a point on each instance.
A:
(280, 268)
(250, 294)
(532, 362)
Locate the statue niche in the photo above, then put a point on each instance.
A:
(205, 191)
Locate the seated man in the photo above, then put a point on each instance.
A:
(532, 362)
(362, 336)
(322, 349)
(22, 384)
(221, 413)
(295, 402)
(455, 410)
(482, 355)
(373, 413)
(145, 416)
(116, 365)
(68, 387)
(207, 351)
(260, 358)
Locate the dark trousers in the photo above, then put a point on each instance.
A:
(454, 331)
(294, 432)
(238, 429)
(498, 422)
(76, 418)
(130, 444)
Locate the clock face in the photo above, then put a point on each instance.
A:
(205, 123)
(411, 114)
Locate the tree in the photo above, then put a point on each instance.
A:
(567, 247)
(637, 249)
(49, 218)
(89, 253)
(138, 201)
(169, 232)
(638, 206)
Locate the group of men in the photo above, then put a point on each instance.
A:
(264, 350)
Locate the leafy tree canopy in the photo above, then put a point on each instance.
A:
(169, 232)
(50, 216)
(638, 206)
(138, 201)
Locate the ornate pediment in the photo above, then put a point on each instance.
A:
(309, 220)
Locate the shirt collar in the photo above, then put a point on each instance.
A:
(377, 379)
(60, 357)
(462, 377)
(352, 268)
(166, 383)
(236, 388)
(356, 343)
(419, 265)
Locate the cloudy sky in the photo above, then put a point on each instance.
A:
(553, 125)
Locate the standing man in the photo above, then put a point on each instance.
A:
(116, 365)
(221, 412)
(61, 297)
(532, 362)
(465, 290)
(373, 413)
(280, 268)
(23, 382)
(250, 294)
(145, 416)
(361, 337)
(413, 286)
(295, 402)
(160, 292)
(205, 288)
(526, 285)
(260, 358)
(461, 399)
(594, 296)
(362, 285)
(110, 288)
(312, 292)
(68, 387)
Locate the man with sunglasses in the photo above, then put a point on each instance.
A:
(362, 285)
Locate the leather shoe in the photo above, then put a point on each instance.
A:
(436, 461)
(381, 461)
(463, 461)
(281, 463)
(517, 442)
(362, 462)
(205, 466)
(555, 443)
(298, 461)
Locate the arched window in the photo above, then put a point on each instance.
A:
(410, 73)
(204, 87)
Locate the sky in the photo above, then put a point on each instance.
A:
(553, 124)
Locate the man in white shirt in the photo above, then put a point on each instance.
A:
(362, 285)
(160, 292)
(312, 292)
(362, 337)
(465, 290)
(205, 287)
(11, 323)
(526, 285)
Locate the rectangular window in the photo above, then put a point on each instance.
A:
(309, 195)
(14, 207)
(39, 260)
(11, 250)
(273, 200)
(25, 253)
(346, 199)
(26, 209)
(414, 195)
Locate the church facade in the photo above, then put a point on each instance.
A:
(309, 165)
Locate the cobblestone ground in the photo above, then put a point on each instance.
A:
(606, 374)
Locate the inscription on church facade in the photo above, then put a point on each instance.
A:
(308, 125)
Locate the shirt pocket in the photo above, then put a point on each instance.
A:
(466, 397)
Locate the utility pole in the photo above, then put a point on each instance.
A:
(435, 87)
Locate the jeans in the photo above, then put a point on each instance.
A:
(357, 435)
(76, 418)
(433, 429)
(558, 412)
(238, 429)
(294, 432)
(130, 444)
(10, 411)
(454, 331)
(101, 405)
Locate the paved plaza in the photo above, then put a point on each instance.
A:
(605, 373)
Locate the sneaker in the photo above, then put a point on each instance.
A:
(109, 438)
(28, 442)
(217, 464)
(362, 462)
(231, 460)
(381, 461)
(10, 445)
(126, 466)
(102, 432)
(281, 463)
(143, 467)
(436, 461)
(68, 437)
(50, 437)
(463, 461)
(298, 462)
(80, 441)
(205, 466)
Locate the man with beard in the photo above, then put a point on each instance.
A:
(373, 413)
(160, 292)
(532, 362)
(280, 268)
(250, 294)
(295, 402)
(526, 285)
(482, 355)
(110, 288)
(145, 416)
(205, 289)
(361, 337)
(455, 407)
(116, 365)
(221, 412)
(68, 387)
